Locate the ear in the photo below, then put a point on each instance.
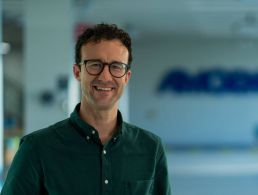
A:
(128, 76)
(77, 72)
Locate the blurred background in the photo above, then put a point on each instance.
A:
(194, 80)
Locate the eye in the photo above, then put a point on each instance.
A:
(117, 66)
(94, 64)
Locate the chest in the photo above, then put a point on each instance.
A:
(98, 170)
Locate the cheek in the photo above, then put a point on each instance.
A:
(84, 79)
(83, 82)
(126, 79)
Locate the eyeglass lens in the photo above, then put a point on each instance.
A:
(116, 69)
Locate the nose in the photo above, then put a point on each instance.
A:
(105, 74)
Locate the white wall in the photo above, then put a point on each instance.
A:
(196, 118)
(48, 55)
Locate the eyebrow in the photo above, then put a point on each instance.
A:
(104, 62)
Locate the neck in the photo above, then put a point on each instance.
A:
(104, 121)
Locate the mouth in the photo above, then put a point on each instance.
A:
(103, 88)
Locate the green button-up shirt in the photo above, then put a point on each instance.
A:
(68, 158)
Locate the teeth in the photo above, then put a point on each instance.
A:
(104, 89)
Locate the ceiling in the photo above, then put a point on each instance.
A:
(207, 18)
(188, 17)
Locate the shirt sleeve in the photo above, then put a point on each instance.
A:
(24, 175)
(161, 180)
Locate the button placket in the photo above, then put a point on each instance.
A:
(106, 174)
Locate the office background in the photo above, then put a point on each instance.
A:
(194, 80)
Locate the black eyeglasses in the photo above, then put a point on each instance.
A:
(95, 67)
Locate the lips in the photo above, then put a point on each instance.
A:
(103, 88)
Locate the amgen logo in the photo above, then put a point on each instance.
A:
(216, 81)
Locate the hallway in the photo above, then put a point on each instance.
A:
(224, 172)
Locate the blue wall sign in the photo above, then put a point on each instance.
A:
(216, 81)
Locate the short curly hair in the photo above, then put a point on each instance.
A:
(102, 32)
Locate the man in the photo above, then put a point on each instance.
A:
(94, 151)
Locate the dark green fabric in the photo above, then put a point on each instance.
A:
(68, 158)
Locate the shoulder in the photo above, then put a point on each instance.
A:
(45, 134)
(139, 132)
(142, 139)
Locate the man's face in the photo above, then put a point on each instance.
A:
(102, 91)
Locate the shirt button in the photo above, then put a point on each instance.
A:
(88, 137)
(93, 132)
(106, 181)
(104, 151)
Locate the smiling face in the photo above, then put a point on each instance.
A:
(103, 91)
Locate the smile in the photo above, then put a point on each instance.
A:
(104, 88)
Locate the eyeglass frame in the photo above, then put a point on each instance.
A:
(84, 62)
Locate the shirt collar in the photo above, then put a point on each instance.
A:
(88, 131)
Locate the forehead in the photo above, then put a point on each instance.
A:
(106, 50)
